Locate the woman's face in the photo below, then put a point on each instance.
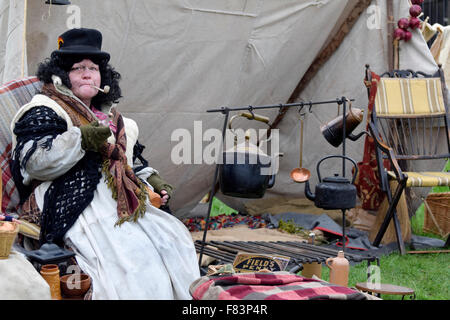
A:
(82, 75)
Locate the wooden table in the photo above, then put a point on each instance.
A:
(384, 288)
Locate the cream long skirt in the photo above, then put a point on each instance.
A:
(153, 258)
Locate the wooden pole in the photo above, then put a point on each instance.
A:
(396, 55)
(390, 34)
(428, 251)
(24, 36)
(324, 55)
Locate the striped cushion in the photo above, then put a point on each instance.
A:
(425, 179)
(397, 97)
(13, 95)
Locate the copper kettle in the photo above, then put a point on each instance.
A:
(333, 130)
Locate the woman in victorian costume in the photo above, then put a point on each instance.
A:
(73, 166)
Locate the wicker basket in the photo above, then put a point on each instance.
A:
(7, 239)
(437, 210)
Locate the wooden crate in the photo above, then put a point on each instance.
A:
(437, 217)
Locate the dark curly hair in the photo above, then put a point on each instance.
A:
(60, 66)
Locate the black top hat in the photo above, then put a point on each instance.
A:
(81, 42)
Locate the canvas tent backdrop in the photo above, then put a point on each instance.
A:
(179, 58)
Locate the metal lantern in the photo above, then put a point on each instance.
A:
(50, 253)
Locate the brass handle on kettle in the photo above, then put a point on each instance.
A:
(257, 117)
(250, 116)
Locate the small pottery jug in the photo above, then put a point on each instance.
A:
(50, 272)
(339, 269)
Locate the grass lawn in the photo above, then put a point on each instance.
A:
(428, 274)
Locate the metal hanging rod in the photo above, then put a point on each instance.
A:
(226, 111)
(298, 104)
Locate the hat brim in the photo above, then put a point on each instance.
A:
(81, 51)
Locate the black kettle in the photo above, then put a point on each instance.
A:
(244, 171)
(333, 192)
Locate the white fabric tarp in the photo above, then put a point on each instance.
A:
(13, 59)
(20, 281)
(342, 75)
(179, 58)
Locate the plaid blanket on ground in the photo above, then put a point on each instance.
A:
(279, 285)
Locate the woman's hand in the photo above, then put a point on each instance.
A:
(164, 197)
(161, 187)
(93, 136)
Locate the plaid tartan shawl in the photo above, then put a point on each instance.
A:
(126, 188)
(279, 285)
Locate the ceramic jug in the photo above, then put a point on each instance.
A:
(339, 269)
(50, 272)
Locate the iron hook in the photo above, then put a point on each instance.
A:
(281, 108)
(300, 109)
(250, 109)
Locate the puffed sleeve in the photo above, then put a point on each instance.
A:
(45, 147)
(48, 164)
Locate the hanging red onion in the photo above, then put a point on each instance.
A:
(414, 22)
(419, 2)
(408, 36)
(399, 34)
(415, 10)
(403, 23)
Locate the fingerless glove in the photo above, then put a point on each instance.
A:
(159, 184)
(93, 136)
